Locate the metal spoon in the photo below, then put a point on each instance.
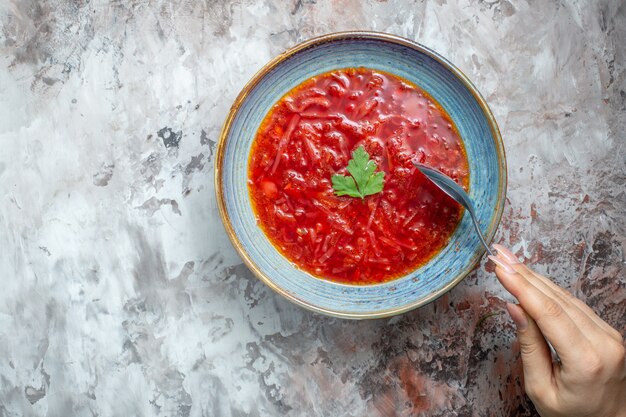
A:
(454, 190)
(458, 194)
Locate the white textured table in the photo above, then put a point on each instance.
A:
(120, 292)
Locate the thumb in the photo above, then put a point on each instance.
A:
(536, 359)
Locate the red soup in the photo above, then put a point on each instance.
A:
(311, 135)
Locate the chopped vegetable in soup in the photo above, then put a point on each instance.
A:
(332, 180)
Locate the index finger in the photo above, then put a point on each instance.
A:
(553, 321)
(575, 302)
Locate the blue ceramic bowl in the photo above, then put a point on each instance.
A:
(444, 83)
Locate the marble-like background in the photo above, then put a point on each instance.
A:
(120, 293)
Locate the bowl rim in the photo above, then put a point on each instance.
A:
(328, 38)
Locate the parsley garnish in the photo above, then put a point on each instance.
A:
(363, 180)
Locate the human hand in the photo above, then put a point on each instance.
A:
(590, 378)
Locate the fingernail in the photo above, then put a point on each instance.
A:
(506, 254)
(502, 264)
(517, 315)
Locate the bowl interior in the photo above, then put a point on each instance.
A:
(428, 71)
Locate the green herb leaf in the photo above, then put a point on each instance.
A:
(364, 180)
(374, 184)
(345, 186)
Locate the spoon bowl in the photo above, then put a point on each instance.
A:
(457, 193)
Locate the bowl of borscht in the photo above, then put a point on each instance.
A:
(316, 183)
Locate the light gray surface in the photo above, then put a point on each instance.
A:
(120, 292)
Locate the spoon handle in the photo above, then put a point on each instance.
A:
(480, 233)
